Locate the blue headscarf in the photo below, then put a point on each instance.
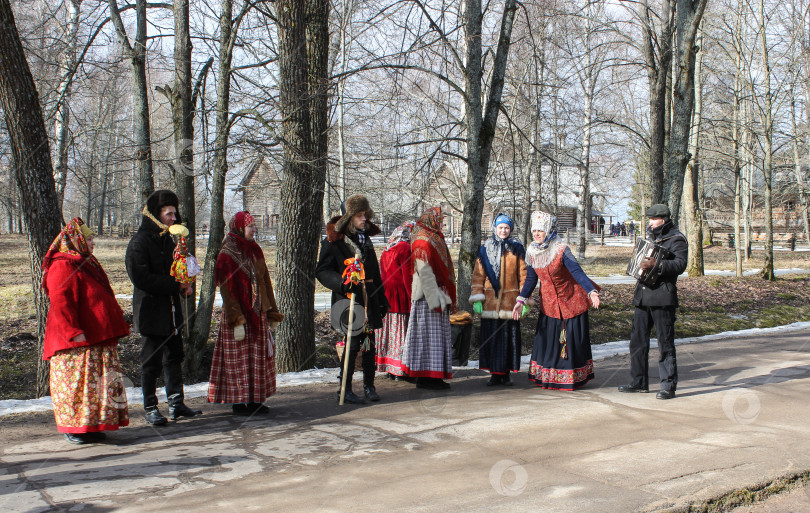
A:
(491, 251)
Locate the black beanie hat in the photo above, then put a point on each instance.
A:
(162, 198)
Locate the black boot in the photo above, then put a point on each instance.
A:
(258, 408)
(493, 380)
(154, 417)
(350, 397)
(78, 438)
(241, 409)
(507, 380)
(371, 393)
(178, 409)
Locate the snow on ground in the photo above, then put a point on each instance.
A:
(329, 376)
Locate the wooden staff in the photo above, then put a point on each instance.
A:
(347, 348)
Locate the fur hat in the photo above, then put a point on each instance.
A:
(162, 198)
(354, 205)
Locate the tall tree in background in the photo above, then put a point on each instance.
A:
(136, 54)
(31, 161)
(688, 15)
(658, 59)
(61, 128)
(691, 189)
(228, 30)
(764, 104)
(303, 92)
(481, 122)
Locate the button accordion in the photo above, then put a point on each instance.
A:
(643, 249)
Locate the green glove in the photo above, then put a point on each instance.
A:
(478, 307)
(525, 310)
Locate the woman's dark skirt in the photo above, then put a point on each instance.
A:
(548, 367)
(499, 346)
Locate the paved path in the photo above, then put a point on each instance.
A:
(741, 417)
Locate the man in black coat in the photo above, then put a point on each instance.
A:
(156, 307)
(656, 305)
(346, 236)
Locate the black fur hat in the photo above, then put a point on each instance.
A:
(162, 198)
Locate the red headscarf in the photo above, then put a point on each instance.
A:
(71, 244)
(236, 268)
(238, 223)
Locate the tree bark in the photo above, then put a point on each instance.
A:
(207, 288)
(31, 162)
(658, 57)
(303, 54)
(689, 14)
(480, 128)
(691, 190)
(766, 118)
(140, 95)
(61, 128)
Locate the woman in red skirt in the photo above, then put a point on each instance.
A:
(243, 368)
(395, 268)
(81, 338)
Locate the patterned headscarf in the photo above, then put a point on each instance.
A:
(240, 220)
(538, 254)
(235, 240)
(428, 245)
(400, 233)
(492, 250)
(72, 241)
(429, 229)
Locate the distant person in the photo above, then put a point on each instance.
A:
(428, 344)
(631, 229)
(346, 236)
(243, 367)
(656, 305)
(561, 356)
(601, 224)
(157, 312)
(623, 228)
(81, 338)
(500, 272)
(395, 269)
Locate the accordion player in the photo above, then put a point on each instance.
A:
(644, 249)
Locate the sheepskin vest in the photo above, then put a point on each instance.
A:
(562, 296)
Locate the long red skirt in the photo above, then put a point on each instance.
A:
(242, 372)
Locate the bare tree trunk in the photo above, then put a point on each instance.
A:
(658, 57)
(736, 135)
(766, 118)
(689, 14)
(304, 46)
(61, 128)
(228, 28)
(140, 95)
(345, 19)
(480, 133)
(797, 167)
(31, 161)
(691, 191)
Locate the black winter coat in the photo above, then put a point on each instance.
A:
(665, 292)
(149, 260)
(334, 250)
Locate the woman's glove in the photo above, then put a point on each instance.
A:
(239, 333)
(525, 310)
(478, 307)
